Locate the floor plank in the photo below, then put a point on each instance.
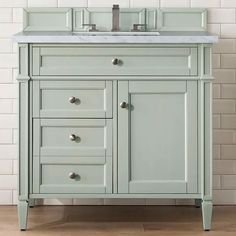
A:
(118, 221)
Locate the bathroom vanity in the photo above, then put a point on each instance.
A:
(115, 108)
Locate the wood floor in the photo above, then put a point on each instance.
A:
(118, 221)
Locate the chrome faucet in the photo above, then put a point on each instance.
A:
(115, 18)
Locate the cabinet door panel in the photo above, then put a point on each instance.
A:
(159, 128)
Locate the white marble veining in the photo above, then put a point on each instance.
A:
(118, 33)
(70, 37)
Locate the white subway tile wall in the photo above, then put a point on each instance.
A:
(221, 20)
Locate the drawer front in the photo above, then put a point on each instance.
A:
(75, 99)
(75, 179)
(72, 137)
(97, 60)
(64, 146)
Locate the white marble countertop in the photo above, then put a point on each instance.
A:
(70, 37)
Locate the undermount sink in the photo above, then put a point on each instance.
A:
(97, 33)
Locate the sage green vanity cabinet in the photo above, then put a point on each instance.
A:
(157, 141)
(115, 118)
(106, 130)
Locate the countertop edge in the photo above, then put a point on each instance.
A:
(115, 39)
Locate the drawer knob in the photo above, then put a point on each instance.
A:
(72, 175)
(73, 137)
(115, 61)
(123, 104)
(72, 99)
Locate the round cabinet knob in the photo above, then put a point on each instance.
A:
(115, 61)
(72, 175)
(72, 99)
(73, 137)
(123, 105)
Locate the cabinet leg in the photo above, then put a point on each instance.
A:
(206, 214)
(23, 214)
(198, 203)
(31, 203)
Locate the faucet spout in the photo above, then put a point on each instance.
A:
(115, 18)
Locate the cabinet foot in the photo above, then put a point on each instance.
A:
(31, 203)
(23, 214)
(198, 203)
(207, 214)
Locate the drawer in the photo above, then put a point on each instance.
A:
(60, 138)
(72, 99)
(74, 179)
(95, 60)
(64, 146)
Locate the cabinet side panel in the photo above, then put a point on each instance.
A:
(23, 140)
(23, 79)
(208, 140)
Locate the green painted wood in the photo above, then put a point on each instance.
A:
(207, 141)
(161, 19)
(123, 138)
(92, 137)
(207, 207)
(192, 59)
(102, 17)
(165, 172)
(73, 159)
(47, 19)
(36, 161)
(23, 139)
(131, 16)
(201, 136)
(78, 60)
(118, 196)
(111, 158)
(205, 138)
(23, 214)
(90, 179)
(55, 153)
(35, 66)
(207, 61)
(23, 78)
(182, 19)
(115, 137)
(23, 72)
(51, 99)
(151, 19)
(160, 87)
(30, 138)
(192, 137)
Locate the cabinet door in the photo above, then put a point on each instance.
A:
(157, 137)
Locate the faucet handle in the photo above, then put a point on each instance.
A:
(135, 27)
(93, 27)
